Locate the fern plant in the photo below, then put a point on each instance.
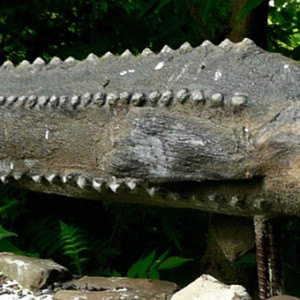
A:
(74, 245)
(149, 267)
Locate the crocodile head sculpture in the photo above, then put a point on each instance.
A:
(214, 128)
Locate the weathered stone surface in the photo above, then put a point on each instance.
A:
(214, 128)
(117, 288)
(149, 285)
(207, 287)
(234, 235)
(107, 295)
(32, 273)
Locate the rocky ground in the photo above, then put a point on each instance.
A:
(39, 279)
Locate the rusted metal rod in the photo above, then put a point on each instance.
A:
(262, 263)
(274, 260)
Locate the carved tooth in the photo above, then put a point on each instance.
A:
(82, 182)
(21, 101)
(54, 101)
(24, 64)
(217, 99)
(99, 99)
(97, 183)
(125, 97)
(127, 54)
(8, 65)
(11, 100)
(138, 99)
(92, 57)
(238, 100)
(151, 191)
(70, 60)
(42, 101)
(207, 44)
(55, 61)
(182, 95)
(246, 43)
(114, 186)
(226, 44)
(154, 97)
(185, 48)
(63, 101)
(51, 178)
(166, 98)
(4, 179)
(32, 101)
(166, 49)
(2, 100)
(86, 99)
(107, 55)
(147, 52)
(75, 100)
(207, 47)
(36, 178)
(67, 178)
(112, 99)
(198, 96)
(131, 184)
(17, 176)
(38, 62)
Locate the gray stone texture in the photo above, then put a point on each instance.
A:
(32, 273)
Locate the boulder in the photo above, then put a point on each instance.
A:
(32, 273)
(207, 287)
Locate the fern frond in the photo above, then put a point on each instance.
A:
(74, 245)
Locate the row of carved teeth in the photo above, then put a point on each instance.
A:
(154, 98)
(81, 181)
(39, 63)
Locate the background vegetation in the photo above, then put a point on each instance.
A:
(111, 239)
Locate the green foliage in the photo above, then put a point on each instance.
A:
(284, 28)
(249, 6)
(74, 245)
(149, 267)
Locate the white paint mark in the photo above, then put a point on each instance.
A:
(47, 134)
(181, 73)
(11, 165)
(126, 72)
(218, 75)
(160, 65)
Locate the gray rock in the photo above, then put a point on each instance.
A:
(32, 273)
(207, 287)
(116, 288)
(104, 295)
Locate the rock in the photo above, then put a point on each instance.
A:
(105, 295)
(207, 287)
(32, 273)
(116, 288)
